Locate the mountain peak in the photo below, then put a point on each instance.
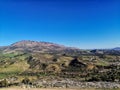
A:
(35, 46)
(25, 43)
(30, 43)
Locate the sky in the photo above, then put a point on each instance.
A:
(86, 24)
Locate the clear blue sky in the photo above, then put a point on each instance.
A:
(76, 23)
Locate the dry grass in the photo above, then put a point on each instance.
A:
(16, 67)
(19, 88)
(41, 89)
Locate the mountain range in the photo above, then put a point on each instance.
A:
(28, 46)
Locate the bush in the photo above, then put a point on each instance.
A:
(26, 81)
(94, 78)
(4, 83)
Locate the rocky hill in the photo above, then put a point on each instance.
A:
(34, 46)
(49, 61)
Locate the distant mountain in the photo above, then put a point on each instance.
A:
(117, 48)
(28, 46)
(3, 48)
(35, 46)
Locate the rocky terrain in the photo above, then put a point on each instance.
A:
(68, 83)
(44, 64)
(38, 47)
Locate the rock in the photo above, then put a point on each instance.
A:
(67, 83)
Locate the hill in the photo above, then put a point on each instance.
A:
(48, 61)
(28, 46)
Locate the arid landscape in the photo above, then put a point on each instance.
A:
(35, 64)
(38, 89)
(51, 89)
(59, 44)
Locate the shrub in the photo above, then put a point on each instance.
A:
(4, 83)
(26, 81)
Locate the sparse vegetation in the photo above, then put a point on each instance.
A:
(86, 65)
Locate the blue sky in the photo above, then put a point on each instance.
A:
(76, 23)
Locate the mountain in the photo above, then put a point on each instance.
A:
(117, 48)
(28, 46)
(39, 57)
(45, 60)
(35, 46)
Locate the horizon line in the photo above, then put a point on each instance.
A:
(60, 44)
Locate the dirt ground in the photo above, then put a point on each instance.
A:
(41, 89)
(36, 89)
(18, 88)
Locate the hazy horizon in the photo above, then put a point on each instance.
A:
(86, 24)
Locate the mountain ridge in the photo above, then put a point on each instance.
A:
(36, 46)
(29, 46)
